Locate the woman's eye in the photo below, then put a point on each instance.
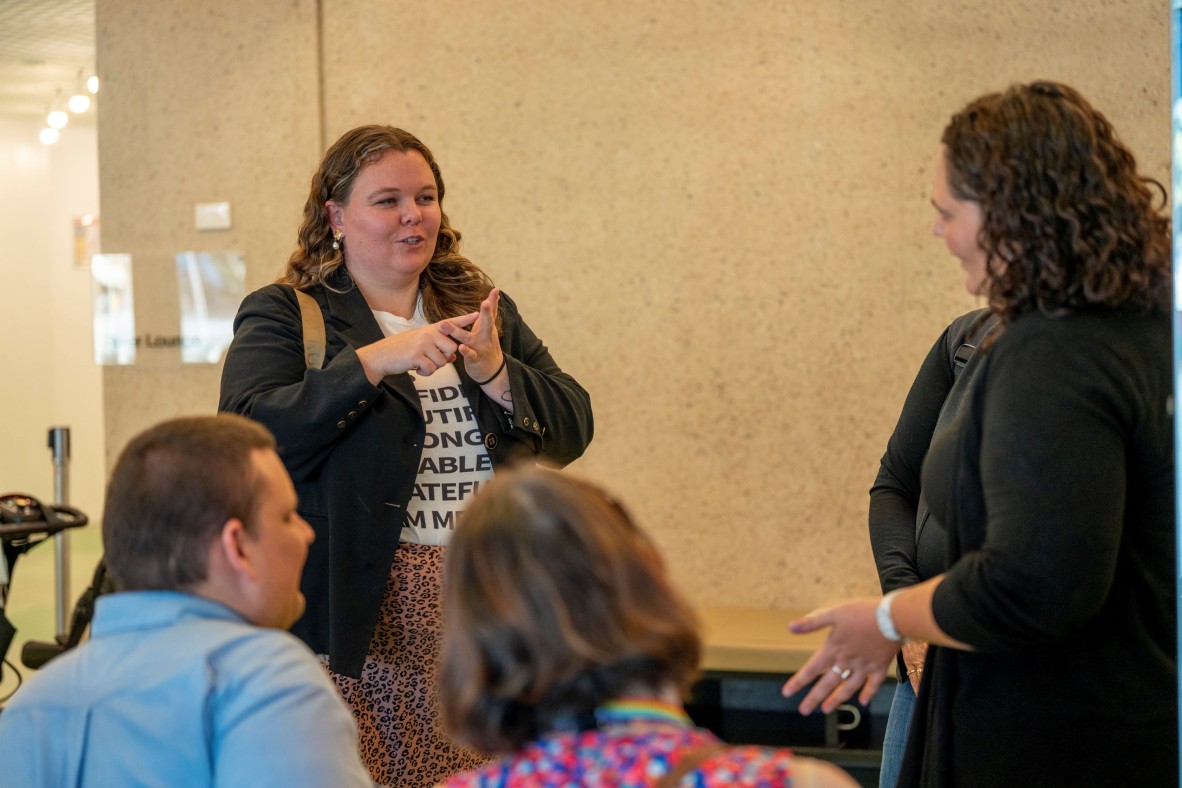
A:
(426, 198)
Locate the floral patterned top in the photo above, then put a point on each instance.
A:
(634, 744)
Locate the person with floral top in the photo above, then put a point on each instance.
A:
(567, 652)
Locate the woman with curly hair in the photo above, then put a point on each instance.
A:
(1053, 631)
(567, 650)
(430, 380)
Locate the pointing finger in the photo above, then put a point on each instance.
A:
(462, 321)
(811, 622)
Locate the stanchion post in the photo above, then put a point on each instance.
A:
(59, 444)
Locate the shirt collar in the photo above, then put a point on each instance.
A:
(130, 611)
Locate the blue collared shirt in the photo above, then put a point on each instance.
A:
(177, 690)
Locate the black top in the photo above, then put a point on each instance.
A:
(909, 545)
(1058, 491)
(353, 448)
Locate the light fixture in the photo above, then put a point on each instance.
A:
(48, 136)
(92, 84)
(57, 118)
(80, 101)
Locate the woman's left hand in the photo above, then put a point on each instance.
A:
(480, 345)
(855, 656)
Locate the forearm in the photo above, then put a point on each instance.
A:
(547, 403)
(911, 611)
(892, 536)
(498, 389)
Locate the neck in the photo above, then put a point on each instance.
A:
(221, 593)
(397, 298)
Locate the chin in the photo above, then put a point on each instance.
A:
(296, 613)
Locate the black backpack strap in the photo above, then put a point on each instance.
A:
(972, 338)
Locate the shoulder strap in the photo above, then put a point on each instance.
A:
(313, 322)
(687, 763)
(977, 331)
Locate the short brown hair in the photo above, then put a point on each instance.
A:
(173, 488)
(554, 602)
(1067, 223)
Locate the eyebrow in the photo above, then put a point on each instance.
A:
(395, 190)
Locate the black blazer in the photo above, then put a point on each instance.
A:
(353, 448)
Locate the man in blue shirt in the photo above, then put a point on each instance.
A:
(188, 678)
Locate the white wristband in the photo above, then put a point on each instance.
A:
(886, 624)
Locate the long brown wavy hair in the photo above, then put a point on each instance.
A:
(451, 285)
(554, 602)
(1068, 224)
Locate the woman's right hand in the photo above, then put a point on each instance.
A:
(423, 350)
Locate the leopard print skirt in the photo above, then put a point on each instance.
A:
(396, 701)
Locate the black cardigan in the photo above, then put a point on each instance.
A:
(1058, 492)
(353, 448)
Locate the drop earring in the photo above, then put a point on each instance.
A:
(337, 235)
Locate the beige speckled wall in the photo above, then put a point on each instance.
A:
(716, 214)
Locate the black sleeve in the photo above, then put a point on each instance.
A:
(266, 378)
(894, 497)
(551, 409)
(1053, 486)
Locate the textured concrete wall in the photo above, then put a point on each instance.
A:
(716, 215)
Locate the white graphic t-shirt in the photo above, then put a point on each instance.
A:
(454, 462)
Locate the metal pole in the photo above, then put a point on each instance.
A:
(59, 443)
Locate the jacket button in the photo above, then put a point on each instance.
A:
(525, 421)
(341, 425)
(535, 426)
(362, 404)
(352, 414)
(490, 441)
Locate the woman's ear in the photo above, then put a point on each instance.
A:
(336, 217)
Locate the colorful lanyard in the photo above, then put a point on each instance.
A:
(627, 711)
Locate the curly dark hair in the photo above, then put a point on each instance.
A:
(554, 602)
(1068, 224)
(451, 285)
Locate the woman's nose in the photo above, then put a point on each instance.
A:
(411, 214)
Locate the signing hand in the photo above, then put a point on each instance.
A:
(423, 350)
(480, 344)
(855, 656)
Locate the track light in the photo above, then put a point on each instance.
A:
(57, 117)
(80, 101)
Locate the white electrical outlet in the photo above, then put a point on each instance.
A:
(212, 216)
